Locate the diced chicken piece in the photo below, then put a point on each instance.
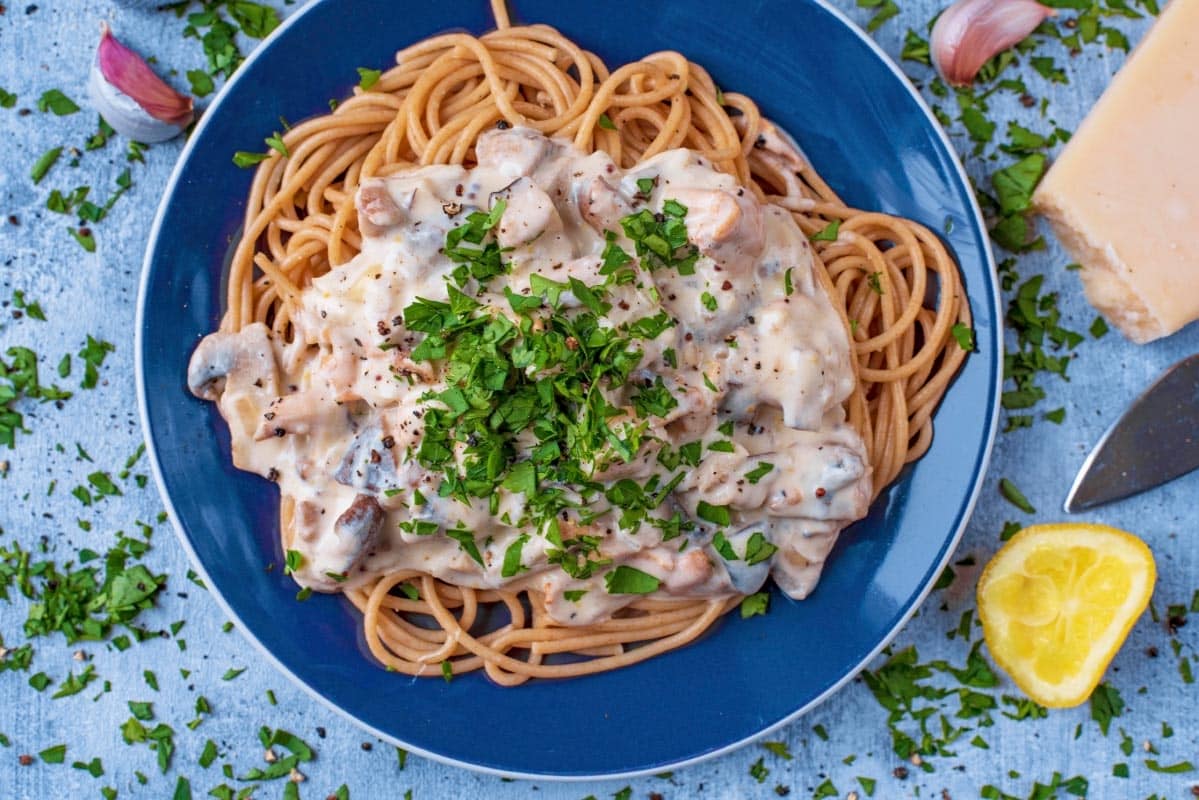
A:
(696, 402)
(377, 209)
(339, 370)
(529, 213)
(602, 205)
(689, 571)
(300, 413)
(782, 360)
(803, 547)
(720, 478)
(724, 225)
(834, 486)
(513, 151)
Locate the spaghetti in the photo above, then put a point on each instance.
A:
(430, 109)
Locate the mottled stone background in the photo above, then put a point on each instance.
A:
(50, 45)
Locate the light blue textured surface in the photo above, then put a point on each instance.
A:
(82, 293)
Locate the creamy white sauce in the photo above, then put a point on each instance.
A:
(335, 418)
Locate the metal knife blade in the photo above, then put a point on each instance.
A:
(1155, 441)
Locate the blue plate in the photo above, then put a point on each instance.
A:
(868, 134)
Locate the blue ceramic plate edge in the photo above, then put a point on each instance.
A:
(950, 547)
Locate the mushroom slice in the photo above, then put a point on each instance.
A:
(246, 358)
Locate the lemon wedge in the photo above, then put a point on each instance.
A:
(1056, 603)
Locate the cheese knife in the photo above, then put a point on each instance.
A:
(1155, 441)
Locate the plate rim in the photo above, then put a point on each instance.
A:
(984, 461)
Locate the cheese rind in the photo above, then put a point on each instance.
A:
(1123, 196)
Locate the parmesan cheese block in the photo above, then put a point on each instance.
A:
(1123, 196)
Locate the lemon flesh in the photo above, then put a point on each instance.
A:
(1056, 603)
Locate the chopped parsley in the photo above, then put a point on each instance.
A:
(1106, 704)
(367, 78)
(828, 233)
(54, 101)
(629, 580)
(1013, 495)
(201, 82)
(755, 604)
(964, 336)
(883, 10)
(44, 163)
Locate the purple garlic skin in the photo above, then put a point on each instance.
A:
(131, 97)
(970, 32)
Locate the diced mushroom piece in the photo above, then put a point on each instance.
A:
(530, 212)
(246, 358)
(300, 413)
(357, 531)
(369, 464)
(727, 227)
(746, 578)
(602, 205)
(377, 209)
(513, 151)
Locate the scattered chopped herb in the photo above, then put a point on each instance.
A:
(1014, 496)
(780, 749)
(53, 100)
(54, 755)
(883, 11)
(44, 163)
(1106, 704)
(201, 82)
(243, 158)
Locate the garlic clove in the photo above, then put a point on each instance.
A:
(970, 32)
(134, 101)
